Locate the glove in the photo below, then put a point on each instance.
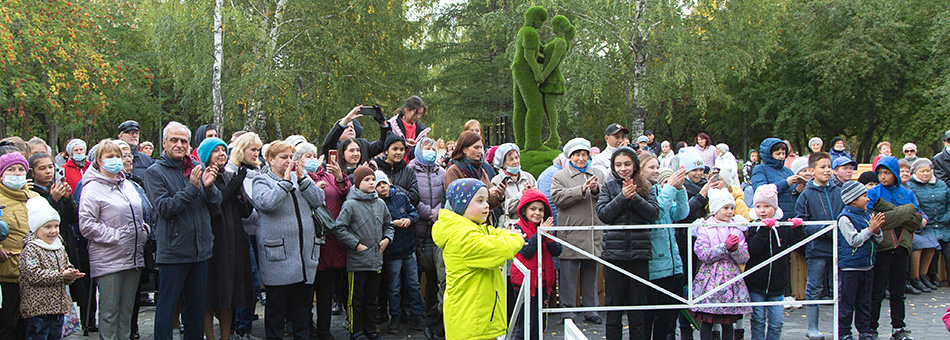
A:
(796, 222)
(732, 242)
(233, 188)
(769, 222)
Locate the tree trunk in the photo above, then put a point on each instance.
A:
(52, 137)
(217, 106)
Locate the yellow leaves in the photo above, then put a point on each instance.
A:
(371, 10)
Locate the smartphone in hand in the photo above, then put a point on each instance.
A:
(333, 154)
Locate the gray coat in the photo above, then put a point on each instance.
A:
(364, 220)
(577, 208)
(183, 225)
(286, 238)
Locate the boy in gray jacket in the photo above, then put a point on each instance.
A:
(365, 228)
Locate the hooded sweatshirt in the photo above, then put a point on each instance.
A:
(528, 253)
(819, 203)
(474, 305)
(773, 171)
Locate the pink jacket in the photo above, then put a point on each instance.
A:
(946, 319)
(111, 217)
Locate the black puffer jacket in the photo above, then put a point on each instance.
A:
(614, 209)
(763, 244)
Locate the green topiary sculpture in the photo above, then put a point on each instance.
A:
(527, 75)
(553, 86)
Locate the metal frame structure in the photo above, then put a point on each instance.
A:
(690, 301)
(523, 299)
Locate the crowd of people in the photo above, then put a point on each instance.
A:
(356, 226)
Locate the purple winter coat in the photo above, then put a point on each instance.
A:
(430, 180)
(720, 265)
(111, 217)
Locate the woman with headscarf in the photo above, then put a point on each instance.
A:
(76, 165)
(508, 159)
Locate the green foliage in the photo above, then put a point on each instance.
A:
(535, 161)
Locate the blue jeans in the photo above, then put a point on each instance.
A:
(773, 314)
(44, 327)
(244, 317)
(819, 273)
(397, 271)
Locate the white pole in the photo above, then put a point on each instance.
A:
(540, 293)
(834, 262)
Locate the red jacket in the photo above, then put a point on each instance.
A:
(527, 255)
(73, 173)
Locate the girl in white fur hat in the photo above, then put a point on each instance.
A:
(721, 250)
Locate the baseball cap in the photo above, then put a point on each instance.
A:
(128, 125)
(647, 132)
(614, 128)
(643, 139)
(842, 161)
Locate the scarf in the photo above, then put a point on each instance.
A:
(471, 169)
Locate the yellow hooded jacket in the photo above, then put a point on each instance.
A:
(474, 305)
(15, 216)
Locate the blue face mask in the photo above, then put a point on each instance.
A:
(514, 170)
(428, 156)
(311, 165)
(79, 157)
(112, 165)
(14, 182)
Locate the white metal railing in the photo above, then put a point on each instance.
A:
(689, 301)
(523, 299)
(571, 332)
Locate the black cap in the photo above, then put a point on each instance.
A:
(614, 128)
(868, 177)
(128, 125)
(648, 132)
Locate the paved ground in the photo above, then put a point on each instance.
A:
(924, 314)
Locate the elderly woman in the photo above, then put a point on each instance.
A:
(76, 166)
(112, 217)
(329, 177)
(284, 196)
(229, 269)
(934, 197)
(508, 159)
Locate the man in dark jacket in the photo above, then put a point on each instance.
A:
(347, 128)
(129, 133)
(942, 160)
(181, 192)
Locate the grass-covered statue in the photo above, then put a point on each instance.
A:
(538, 84)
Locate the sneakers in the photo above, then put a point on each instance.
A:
(901, 334)
(790, 303)
(336, 310)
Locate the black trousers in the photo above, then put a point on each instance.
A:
(889, 274)
(291, 303)
(660, 323)
(854, 303)
(325, 285)
(11, 326)
(621, 290)
(361, 304)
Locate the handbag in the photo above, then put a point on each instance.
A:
(322, 220)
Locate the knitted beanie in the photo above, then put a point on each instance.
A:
(768, 194)
(207, 147)
(460, 193)
(360, 173)
(719, 198)
(39, 212)
(851, 190)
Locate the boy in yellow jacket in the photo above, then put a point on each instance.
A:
(474, 305)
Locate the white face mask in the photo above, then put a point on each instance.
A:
(14, 182)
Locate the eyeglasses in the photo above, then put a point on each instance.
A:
(127, 156)
(909, 151)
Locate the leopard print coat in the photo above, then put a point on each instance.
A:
(42, 287)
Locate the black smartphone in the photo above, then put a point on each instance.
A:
(373, 110)
(504, 181)
(29, 173)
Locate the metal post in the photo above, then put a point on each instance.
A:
(540, 292)
(834, 262)
(689, 267)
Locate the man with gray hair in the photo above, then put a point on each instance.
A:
(181, 192)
